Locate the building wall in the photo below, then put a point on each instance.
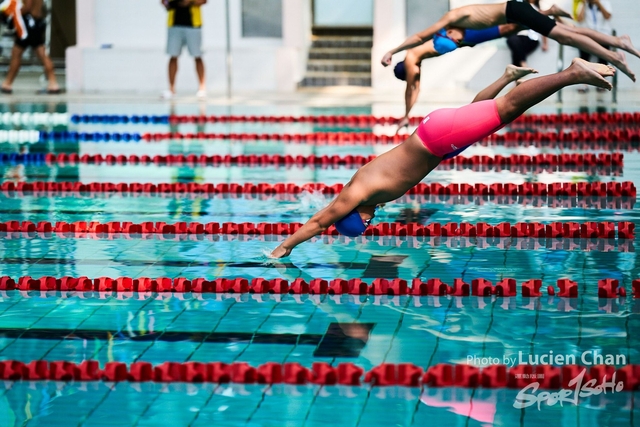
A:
(121, 44)
(121, 48)
(475, 68)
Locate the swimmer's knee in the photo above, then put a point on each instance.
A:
(562, 35)
(507, 109)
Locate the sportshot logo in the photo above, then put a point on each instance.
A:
(578, 388)
(529, 395)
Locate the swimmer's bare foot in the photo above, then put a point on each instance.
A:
(556, 10)
(625, 44)
(621, 64)
(591, 73)
(513, 73)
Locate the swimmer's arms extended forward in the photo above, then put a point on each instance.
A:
(349, 198)
(424, 35)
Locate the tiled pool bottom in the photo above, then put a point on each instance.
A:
(252, 328)
(286, 328)
(227, 405)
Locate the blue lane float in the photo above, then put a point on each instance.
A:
(28, 159)
(66, 136)
(119, 119)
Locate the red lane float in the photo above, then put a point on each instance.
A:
(549, 377)
(563, 145)
(567, 189)
(574, 230)
(607, 288)
(369, 120)
(583, 202)
(627, 135)
(513, 168)
(587, 159)
(454, 242)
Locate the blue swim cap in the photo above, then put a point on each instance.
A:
(351, 225)
(400, 71)
(443, 44)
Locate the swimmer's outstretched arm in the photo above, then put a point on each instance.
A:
(349, 198)
(413, 83)
(423, 36)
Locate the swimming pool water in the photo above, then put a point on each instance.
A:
(257, 328)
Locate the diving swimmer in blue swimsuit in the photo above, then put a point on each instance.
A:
(443, 42)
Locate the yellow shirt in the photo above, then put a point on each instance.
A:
(185, 17)
(576, 4)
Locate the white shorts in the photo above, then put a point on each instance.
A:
(180, 36)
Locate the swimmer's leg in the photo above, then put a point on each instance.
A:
(564, 34)
(536, 90)
(622, 42)
(511, 74)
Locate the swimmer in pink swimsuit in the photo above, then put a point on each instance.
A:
(442, 134)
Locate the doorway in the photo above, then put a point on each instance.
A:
(353, 17)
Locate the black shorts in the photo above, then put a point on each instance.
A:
(37, 29)
(521, 12)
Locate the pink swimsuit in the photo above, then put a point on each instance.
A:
(449, 131)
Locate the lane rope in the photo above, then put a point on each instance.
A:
(351, 120)
(575, 230)
(569, 189)
(508, 287)
(562, 160)
(548, 377)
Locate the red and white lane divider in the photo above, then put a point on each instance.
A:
(565, 189)
(612, 137)
(626, 378)
(587, 230)
(564, 160)
(369, 120)
(453, 242)
(565, 288)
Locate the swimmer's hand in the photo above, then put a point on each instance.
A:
(403, 122)
(279, 252)
(386, 59)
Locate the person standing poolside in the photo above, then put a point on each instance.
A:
(33, 13)
(479, 16)
(441, 135)
(185, 28)
(525, 42)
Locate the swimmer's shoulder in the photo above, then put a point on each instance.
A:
(424, 51)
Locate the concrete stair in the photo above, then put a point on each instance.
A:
(339, 61)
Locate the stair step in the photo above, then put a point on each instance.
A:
(353, 38)
(340, 49)
(335, 81)
(347, 42)
(339, 61)
(363, 66)
(336, 54)
(337, 74)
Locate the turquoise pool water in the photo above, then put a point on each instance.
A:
(425, 331)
